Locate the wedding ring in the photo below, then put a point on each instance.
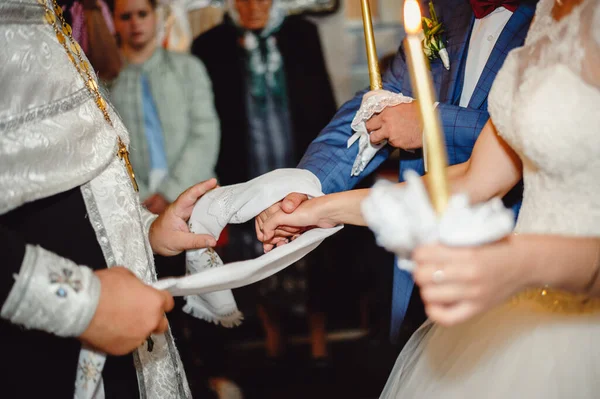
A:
(438, 276)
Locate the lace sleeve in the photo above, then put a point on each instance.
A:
(540, 21)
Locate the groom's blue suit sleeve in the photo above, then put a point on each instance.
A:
(328, 156)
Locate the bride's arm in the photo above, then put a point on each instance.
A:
(492, 171)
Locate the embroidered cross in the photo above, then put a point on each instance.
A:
(64, 280)
(89, 372)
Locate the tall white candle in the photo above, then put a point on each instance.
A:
(422, 84)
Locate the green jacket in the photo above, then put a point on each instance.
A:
(183, 96)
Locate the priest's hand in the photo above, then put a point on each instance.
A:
(128, 312)
(169, 233)
(399, 125)
(282, 235)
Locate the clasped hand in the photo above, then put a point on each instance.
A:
(286, 220)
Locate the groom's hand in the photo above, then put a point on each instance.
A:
(170, 235)
(399, 125)
(289, 204)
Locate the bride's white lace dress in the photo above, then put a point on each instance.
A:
(545, 103)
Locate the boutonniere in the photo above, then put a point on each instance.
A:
(433, 44)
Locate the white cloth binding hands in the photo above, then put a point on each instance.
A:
(373, 102)
(238, 204)
(402, 218)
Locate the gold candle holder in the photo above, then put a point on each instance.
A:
(434, 145)
(372, 60)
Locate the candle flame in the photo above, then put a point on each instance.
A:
(412, 16)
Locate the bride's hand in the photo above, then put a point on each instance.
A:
(459, 283)
(311, 213)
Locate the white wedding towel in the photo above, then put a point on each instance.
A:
(208, 285)
(373, 102)
(402, 218)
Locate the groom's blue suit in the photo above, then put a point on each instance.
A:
(329, 159)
